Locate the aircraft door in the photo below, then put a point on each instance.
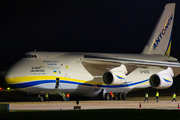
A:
(57, 83)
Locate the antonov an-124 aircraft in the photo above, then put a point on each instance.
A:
(93, 74)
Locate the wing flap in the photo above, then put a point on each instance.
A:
(130, 61)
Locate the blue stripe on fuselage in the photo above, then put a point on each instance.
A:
(34, 83)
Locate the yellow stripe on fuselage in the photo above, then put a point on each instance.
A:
(145, 83)
(16, 80)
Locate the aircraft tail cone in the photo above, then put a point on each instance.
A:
(140, 105)
(178, 106)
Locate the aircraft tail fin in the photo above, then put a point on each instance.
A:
(160, 40)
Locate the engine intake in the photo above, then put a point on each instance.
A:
(108, 78)
(154, 80)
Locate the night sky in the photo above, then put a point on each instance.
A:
(78, 26)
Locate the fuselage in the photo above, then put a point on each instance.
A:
(38, 72)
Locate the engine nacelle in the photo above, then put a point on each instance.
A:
(115, 76)
(162, 79)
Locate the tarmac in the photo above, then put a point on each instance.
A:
(165, 102)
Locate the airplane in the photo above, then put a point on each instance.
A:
(93, 74)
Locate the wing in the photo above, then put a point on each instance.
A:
(131, 62)
(138, 73)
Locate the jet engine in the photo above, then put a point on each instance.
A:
(163, 79)
(115, 76)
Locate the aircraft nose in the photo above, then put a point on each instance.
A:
(10, 76)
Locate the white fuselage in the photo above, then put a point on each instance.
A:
(37, 73)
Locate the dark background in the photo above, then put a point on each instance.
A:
(121, 26)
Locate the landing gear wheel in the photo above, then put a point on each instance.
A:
(41, 99)
(118, 96)
(123, 96)
(103, 96)
(107, 97)
(31, 98)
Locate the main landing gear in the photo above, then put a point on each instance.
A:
(117, 96)
(36, 97)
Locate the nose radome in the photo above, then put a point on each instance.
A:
(10, 76)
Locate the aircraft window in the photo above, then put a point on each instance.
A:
(29, 56)
(34, 56)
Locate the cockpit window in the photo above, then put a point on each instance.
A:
(29, 56)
